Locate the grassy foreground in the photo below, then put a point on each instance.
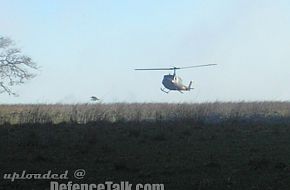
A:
(183, 154)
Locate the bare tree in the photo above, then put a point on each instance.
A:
(15, 68)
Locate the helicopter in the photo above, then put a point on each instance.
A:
(94, 98)
(172, 81)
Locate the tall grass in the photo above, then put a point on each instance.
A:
(215, 112)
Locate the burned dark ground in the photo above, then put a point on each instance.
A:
(230, 151)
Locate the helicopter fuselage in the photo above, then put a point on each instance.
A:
(174, 82)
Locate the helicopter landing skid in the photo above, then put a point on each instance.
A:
(163, 90)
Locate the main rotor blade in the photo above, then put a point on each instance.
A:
(197, 66)
(174, 68)
(154, 69)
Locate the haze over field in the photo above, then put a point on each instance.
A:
(87, 48)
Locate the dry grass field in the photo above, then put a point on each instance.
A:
(206, 146)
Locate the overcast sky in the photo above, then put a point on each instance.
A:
(91, 47)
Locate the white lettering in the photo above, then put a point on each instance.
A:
(53, 185)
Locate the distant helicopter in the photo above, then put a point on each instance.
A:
(174, 82)
(94, 98)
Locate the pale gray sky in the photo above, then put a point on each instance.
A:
(91, 47)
